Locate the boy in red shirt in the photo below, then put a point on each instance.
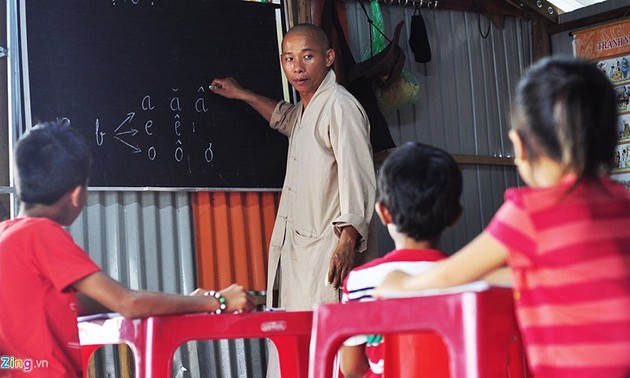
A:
(48, 280)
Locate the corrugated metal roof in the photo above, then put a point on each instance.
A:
(571, 5)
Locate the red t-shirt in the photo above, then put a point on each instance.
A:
(39, 262)
(359, 286)
(570, 258)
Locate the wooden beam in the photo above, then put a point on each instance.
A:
(490, 7)
(607, 16)
(298, 12)
(460, 159)
(544, 8)
(484, 160)
(541, 42)
(494, 7)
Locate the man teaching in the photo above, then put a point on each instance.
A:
(327, 199)
(329, 187)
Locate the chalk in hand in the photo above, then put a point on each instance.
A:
(214, 86)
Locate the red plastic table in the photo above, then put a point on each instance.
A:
(118, 330)
(154, 340)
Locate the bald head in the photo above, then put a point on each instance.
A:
(313, 31)
(306, 59)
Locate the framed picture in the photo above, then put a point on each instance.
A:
(605, 45)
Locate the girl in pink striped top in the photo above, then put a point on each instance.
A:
(565, 237)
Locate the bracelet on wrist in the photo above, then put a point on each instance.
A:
(220, 298)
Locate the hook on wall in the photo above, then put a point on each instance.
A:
(417, 4)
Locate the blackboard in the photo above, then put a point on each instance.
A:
(133, 76)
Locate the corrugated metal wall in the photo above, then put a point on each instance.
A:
(464, 97)
(160, 240)
(142, 239)
(465, 89)
(145, 240)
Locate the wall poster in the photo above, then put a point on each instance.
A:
(609, 47)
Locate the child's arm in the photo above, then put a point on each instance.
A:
(88, 306)
(480, 256)
(353, 361)
(138, 304)
(499, 277)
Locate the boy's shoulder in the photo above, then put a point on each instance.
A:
(404, 255)
(361, 280)
(24, 223)
(29, 221)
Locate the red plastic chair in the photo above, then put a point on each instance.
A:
(415, 355)
(478, 327)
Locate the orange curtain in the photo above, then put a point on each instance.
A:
(232, 233)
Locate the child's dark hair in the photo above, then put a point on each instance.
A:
(421, 186)
(51, 159)
(565, 108)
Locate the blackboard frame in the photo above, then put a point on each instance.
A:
(253, 169)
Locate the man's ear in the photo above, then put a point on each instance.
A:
(383, 213)
(330, 57)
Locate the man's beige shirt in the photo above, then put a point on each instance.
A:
(329, 183)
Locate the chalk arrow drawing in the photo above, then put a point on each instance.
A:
(131, 131)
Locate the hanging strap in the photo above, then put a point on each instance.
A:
(361, 88)
(386, 66)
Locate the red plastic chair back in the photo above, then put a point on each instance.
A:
(478, 328)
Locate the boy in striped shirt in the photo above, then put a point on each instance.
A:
(419, 196)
